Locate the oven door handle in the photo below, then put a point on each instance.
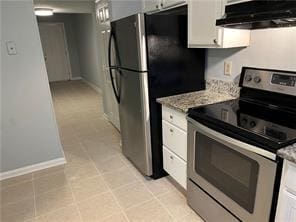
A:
(228, 141)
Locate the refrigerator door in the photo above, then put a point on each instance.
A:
(130, 43)
(135, 120)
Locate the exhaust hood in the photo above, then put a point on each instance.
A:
(259, 14)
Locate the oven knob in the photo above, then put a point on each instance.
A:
(252, 124)
(257, 79)
(248, 78)
(244, 122)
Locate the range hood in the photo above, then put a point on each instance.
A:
(259, 14)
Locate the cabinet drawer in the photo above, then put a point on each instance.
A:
(175, 139)
(174, 117)
(175, 166)
(290, 181)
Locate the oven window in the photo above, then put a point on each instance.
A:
(228, 170)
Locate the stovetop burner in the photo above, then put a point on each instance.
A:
(265, 113)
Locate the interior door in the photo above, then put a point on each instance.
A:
(111, 105)
(55, 51)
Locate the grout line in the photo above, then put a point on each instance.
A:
(114, 197)
(35, 203)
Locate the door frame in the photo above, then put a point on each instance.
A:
(65, 41)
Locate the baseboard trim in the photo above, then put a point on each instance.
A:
(96, 88)
(76, 78)
(32, 168)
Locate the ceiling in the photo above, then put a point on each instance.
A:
(66, 6)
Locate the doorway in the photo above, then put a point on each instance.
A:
(55, 51)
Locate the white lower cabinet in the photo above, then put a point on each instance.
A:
(175, 166)
(286, 210)
(174, 137)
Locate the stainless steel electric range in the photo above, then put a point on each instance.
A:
(233, 170)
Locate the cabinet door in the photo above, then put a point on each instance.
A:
(202, 17)
(169, 3)
(287, 207)
(110, 103)
(151, 5)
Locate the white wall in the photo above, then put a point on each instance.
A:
(29, 130)
(88, 50)
(269, 48)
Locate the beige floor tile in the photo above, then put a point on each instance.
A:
(50, 182)
(81, 172)
(108, 164)
(159, 186)
(16, 180)
(15, 193)
(176, 204)
(67, 214)
(18, 211)
(98, 207)
(38, 219)
(84, 189)
(192, 217)
(147, 212)
(76, 156)
(116, 218)
(118, 178)
(132, 195)
(53, 200)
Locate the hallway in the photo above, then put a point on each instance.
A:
(98, 183)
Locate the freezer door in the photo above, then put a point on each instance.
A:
(135, 120)
(129, 38)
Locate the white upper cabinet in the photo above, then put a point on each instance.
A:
(151, 5)
(202, 29)
(170, 3)
(156, 5)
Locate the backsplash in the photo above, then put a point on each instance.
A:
(269, 48)
(221, 86)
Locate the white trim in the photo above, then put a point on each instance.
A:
(32, 168)
(96, 88)
(76, 78)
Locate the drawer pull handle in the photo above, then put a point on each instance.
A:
(171, 130)
(171, 157)
(171, 117)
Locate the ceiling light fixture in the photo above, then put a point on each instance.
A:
(43, 11)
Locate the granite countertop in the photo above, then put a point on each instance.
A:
(288, 153)
(183, 102)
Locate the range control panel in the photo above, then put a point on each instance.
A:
(270, 80)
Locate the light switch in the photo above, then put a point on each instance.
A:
(11, 48)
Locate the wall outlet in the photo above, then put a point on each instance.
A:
(11, 48)
(227, 68)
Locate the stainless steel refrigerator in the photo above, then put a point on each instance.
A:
(148, 59)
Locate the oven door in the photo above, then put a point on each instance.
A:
(237, 175)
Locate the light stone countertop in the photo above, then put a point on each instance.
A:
(182, 102)
(288, 153)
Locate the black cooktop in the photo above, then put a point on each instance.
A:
(269, 127)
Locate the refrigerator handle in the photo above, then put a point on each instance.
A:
(111, 68)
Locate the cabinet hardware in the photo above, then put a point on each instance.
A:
(171, 130)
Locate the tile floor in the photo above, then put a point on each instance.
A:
(98, 183)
